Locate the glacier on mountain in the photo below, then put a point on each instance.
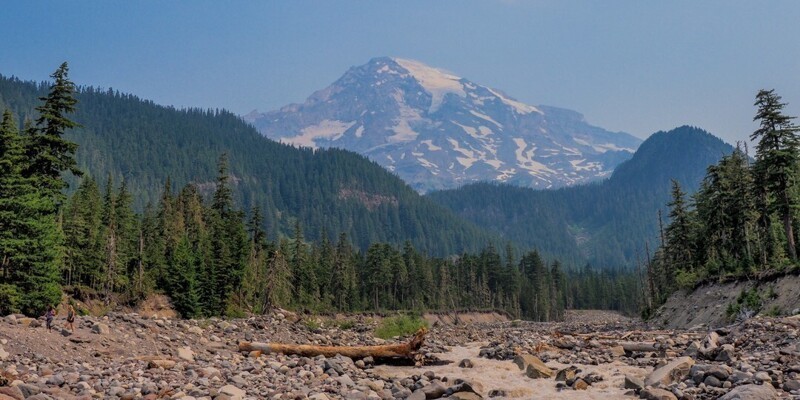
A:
(437, 130)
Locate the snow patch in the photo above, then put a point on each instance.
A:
(525, 159)
(435, 81)
(360, 131)
(327, 129)
(431, 146)
(485, 117)
(518, 106)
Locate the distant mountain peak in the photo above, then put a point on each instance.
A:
(437, 130)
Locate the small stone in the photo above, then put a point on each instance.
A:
(465, 363)
(186, 354)
(763, 377)
(712, 380)
(580, 384)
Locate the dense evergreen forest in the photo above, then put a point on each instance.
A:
(332, 190)
(610, 224)
(743, 221)
(200, 247)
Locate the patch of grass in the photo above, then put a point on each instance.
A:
(400, 325)
(346, 325)
(775, 311)
(312, 324)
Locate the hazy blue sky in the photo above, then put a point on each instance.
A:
(635, 66)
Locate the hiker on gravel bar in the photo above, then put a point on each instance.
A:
(48, 316)
(71, 318)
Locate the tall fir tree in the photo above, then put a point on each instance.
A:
(777, 156)
(49, 153)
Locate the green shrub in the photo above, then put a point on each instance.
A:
(775, 311)
(747, 304)
(400, 325)
(686, 279)
(10, 299)
(36, 303)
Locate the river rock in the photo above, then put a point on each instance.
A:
(726, 354)
(533, 366)
(632, 382)
(12, 391)
(751, 392)
(675, 371)
(232, 392)
(186, 354)
(100, 329)
(657, 394)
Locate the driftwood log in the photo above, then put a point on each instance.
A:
(403, 350)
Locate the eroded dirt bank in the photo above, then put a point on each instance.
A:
(707, 306)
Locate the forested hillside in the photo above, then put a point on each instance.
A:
(606, 224)
(327, 191)
(212, 256)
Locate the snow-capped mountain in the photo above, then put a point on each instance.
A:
(436, 130)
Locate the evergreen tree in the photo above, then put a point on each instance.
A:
(12, 187)
(776, 159)
(679, 249)
(49, 153)
(279, 278)
(183, 281)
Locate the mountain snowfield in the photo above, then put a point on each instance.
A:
(436, 130)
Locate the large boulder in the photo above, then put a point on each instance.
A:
(100, 329)
(675, 371)
(533, 366)
(751, 392)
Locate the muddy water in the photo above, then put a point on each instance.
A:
(487, 375)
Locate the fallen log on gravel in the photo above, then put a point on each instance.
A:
(404, 350)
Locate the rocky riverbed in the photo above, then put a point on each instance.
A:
(592, 355)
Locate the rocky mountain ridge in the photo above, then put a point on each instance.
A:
(436, 130)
